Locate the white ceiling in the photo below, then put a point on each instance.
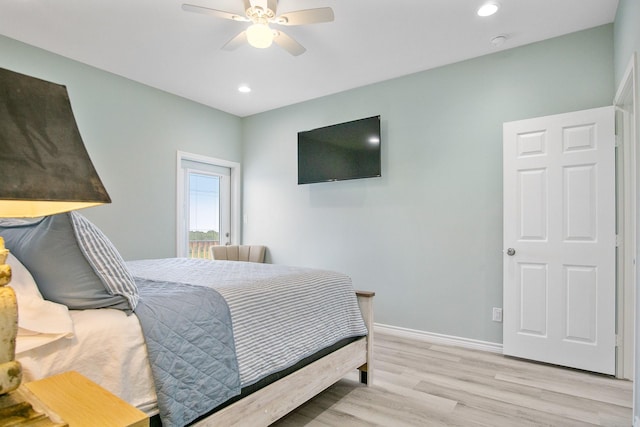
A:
(156, 43)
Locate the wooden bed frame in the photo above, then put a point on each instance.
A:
(274, 401)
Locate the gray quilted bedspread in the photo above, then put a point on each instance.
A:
(189, 337)
(280, 314)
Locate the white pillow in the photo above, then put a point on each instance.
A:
(39, 321)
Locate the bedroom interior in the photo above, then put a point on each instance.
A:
(426, 236)
(275, 356)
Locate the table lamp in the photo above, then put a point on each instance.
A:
(44, 170)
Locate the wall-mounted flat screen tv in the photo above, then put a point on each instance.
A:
(343, 151)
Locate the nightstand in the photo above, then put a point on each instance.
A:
(81, 402)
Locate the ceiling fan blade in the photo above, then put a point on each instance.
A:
(235, 42)
(288, 44)
(307, 16)
(213, 12)
(247, 4)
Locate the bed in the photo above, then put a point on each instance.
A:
(294, 331)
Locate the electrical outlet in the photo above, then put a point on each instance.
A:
(497, 314)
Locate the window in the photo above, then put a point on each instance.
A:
(208, 207)
(207, 197)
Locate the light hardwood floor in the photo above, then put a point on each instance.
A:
(424, 384)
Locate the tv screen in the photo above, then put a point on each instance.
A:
(343, 151)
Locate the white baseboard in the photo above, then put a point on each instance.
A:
(432, 337)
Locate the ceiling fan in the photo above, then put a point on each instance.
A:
(262, 13)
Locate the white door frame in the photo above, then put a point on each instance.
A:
(235, 195)
(626, 105)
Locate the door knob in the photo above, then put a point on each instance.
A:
(511, 252)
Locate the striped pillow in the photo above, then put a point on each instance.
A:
(72, 262)
(105, 259)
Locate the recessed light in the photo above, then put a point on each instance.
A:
(244, 89)
(488, 9)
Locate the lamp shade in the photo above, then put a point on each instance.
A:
(44, 165)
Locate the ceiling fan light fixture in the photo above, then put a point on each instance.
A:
(260, 35)
(260, 15)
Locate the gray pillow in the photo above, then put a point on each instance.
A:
(72, 262)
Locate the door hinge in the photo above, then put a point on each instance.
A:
(618, 141)
(619, 341)
(618, 240)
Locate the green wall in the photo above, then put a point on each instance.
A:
(626, 35)
(132, 133)
(427, 235)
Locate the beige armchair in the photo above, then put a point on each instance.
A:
(251, 253)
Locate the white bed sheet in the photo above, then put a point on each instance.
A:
(108, 347)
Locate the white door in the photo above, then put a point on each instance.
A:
(559, 239)
(204, 207)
